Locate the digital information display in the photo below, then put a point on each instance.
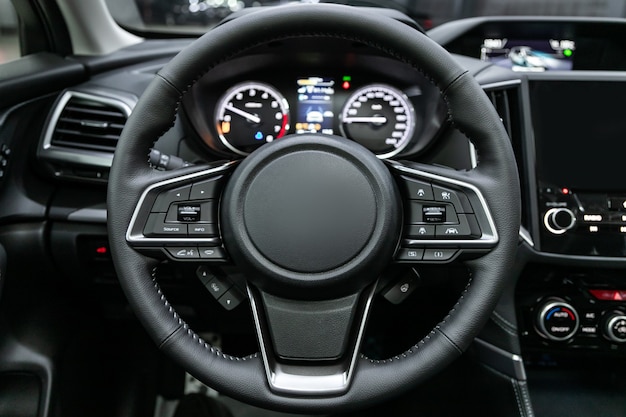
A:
(315, 105)
(580, 134)
(529, 55)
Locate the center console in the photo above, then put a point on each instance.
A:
(571, 301)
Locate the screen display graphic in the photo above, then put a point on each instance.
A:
(315, 105)
(529, 55)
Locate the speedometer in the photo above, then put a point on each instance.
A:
(379, 117)
(249, 115)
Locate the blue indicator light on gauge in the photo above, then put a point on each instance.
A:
(258, 136)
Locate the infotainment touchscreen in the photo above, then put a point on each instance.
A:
(580, 134)
(529, 55)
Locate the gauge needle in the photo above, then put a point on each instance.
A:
(252, 117)
(373, 119)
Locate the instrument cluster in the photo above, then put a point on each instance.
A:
(390, 117)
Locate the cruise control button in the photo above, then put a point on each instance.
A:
(231, 299)
(409, 254)
(156, 227)
(416, 189)
(215, 252)
(434, 214)
(439, 254)
(187, 252)
(425, 231)
(218, 286)
(166, 198)
(205, 189)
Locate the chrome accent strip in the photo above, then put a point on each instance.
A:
(75, 155)
(137, 237)
(499, 359)
(473, 154)
(486, 239)
(501, 84)
(525, 236)
(283, 381)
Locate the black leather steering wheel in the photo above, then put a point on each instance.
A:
(311, 302)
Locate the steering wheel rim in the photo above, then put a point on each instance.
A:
(469, 109)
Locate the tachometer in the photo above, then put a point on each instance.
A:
(379, 117)
(249, 115)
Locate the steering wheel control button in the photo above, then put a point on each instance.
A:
(446, 195)
(205, 212)
(434, 214)
(456, 231)
(187, 252)
(205, 189)
(215, 252)
(557, 320)
(422, 231)
(157, 227)
(188, 212)
(401, 290)
(218, 286)
(439, 255)
(166, 198)
(416, 189)
(231, 299)
(204, 274)
(202, 230)
(409, 254)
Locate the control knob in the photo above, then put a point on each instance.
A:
(557, 320)
(615, 326)
(559, 220)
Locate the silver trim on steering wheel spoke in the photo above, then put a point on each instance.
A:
(309, 380)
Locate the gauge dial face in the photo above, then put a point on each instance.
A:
(249, 115)
(379, 117)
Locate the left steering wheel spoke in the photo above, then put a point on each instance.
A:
(176, 218)
(445, 217)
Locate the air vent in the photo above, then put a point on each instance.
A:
(506, 102)
(89, 122)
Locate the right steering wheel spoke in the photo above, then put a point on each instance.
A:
(444, 218)
(177, 218)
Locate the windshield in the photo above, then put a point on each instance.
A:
(192, 17)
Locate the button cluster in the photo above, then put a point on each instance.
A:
(212, 253)
(221, 289)
(434, 212)
(188, 211)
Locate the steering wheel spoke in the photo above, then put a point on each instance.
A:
(176, 216)
(445, 215)
(310, 347)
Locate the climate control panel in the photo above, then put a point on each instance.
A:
(572, 310)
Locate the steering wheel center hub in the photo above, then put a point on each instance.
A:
(310, 211)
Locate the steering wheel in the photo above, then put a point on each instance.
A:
(313, 221)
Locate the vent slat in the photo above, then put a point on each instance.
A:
(88, 124)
